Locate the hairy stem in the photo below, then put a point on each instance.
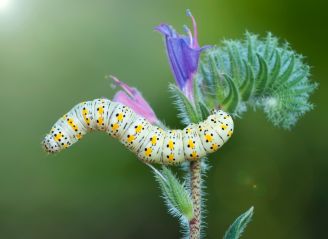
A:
(195, 185)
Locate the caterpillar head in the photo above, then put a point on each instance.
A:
(222, 122)
(50, 145)
(220, 114)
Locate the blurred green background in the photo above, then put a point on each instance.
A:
(54, 54)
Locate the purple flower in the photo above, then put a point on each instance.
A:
(132, 98)
(183, 53)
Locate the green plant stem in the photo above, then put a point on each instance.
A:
(195, 186)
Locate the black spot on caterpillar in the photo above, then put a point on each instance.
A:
(150, 143)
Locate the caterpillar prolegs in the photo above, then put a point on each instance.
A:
(150, 143)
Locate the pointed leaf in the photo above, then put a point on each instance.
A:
(303, 75)
(204, 110)
(287, 73)
(197, 99)
(270, 46)
(221, 63)
(213, 65)
(237, 228)
(176, 196)
(187, 112)
(276, 69)
(231, 101)
(207, 71)
(248, 85)
(267, 46)
(262, 77)
(250, 48)
(235, 62)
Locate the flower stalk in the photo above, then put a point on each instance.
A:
(196, 196)
(183, 53)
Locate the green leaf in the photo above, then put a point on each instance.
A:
(236, 62)
(221, 63)
(284, 77)
(198, 98)
(187, 112)
(262, 77)
(231, 101)
(237, 228)
(248, 85)
(250, 39)
(281, 78)
(276, 69)
(201, 109)
(208, 74)
(204, 110)
(175, 194)
(270, 46)
(214, 62)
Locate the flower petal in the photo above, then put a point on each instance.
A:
(132, 98)
(183, 53)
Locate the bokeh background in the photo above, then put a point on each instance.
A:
(54, 54)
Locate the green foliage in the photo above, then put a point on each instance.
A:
(187, 112)
(238, 226)
(260, 73)
(175, 194)
(256, 73)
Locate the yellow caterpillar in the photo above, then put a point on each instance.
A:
(150, 143)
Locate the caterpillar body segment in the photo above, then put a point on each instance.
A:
(136, 134)
(211, 140)
(150, 143)
(222, 123)
(192, 144)
(172, 150)
(152, 147)
(120, 120)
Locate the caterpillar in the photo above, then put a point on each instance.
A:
(150, 143)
